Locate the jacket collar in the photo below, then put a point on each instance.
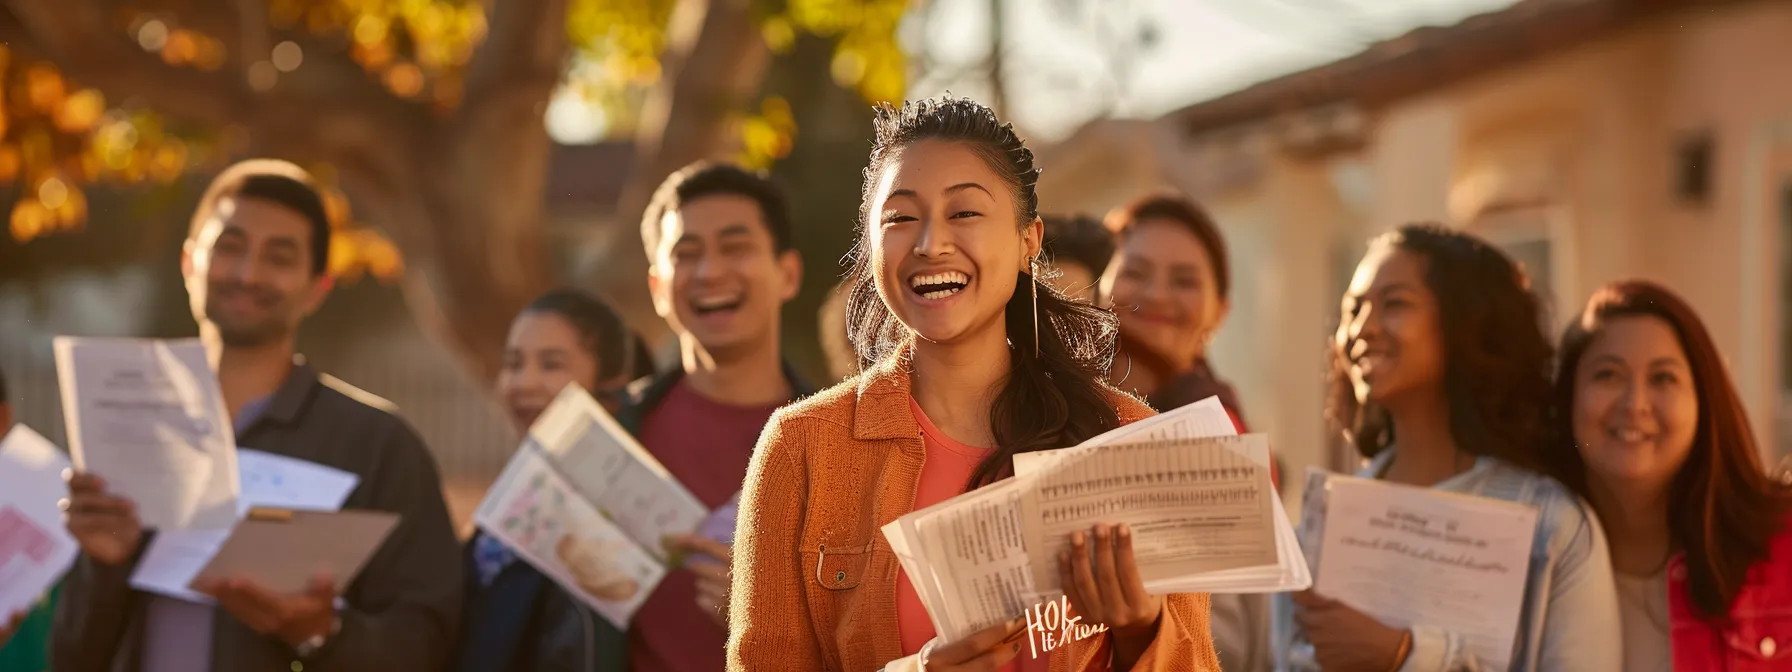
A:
(882, 408)
(290, 399)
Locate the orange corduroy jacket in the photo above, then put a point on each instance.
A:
(814, 584)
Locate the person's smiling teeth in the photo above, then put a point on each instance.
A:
(1629, 435)
(705, 304)
(939, 285)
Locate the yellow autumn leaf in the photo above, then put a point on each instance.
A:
(29, 219)
(81, 111)
(345, 259)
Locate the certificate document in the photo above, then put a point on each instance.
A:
(149, 418)
(1409, 555)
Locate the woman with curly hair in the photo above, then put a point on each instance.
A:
(1440, 377)
(1649, 429)
(968, 360)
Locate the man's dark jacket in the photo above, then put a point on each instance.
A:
(404, 606)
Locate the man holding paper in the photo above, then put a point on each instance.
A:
(722, 263)
(254, 264)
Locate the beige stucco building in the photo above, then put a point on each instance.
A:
(1593, 139)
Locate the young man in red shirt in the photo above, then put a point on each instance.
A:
(721, 266)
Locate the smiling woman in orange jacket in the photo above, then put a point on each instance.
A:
(968, 360)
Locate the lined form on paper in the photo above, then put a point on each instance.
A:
(1198, 497)
(1194, 505)
(981, 545)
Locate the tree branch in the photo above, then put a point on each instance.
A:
(91, 50)
(715, 61)
(524, 48)
(254, 35)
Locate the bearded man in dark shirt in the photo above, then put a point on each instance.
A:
(254, 264)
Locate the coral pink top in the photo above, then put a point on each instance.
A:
(943, 476)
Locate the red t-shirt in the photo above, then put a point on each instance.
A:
(944, 474)
(706, 445)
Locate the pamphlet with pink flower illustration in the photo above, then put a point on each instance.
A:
(35, 549)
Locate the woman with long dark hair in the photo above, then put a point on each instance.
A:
(1440, 377)
(516, 618)
(1651, 431)
(968, 360)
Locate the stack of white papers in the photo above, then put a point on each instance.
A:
(149, 418)
(588, 506)
(35, 547)
(175, 557)
(1409, 555)
(1204, 515)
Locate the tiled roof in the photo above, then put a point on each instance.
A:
(1430, 57)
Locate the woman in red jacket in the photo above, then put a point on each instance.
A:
(1652, 433)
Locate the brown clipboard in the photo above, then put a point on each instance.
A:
(282, 550)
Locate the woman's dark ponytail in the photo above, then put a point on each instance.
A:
(1054, 397)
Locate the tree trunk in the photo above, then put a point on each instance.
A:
(715, 61)
(460, 196)
(822, 173)
(472, 243)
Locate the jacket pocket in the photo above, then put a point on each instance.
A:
(841, 567)
(1762, 642)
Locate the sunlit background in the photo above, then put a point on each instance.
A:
(1590, 139)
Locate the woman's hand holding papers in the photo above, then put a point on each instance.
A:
(1345, 639)
(105, 526)
(1106, 589)
(294, 619)
(983, 651)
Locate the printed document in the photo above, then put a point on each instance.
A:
(1207, 418)
(174, 557)
(968, 552)
(1409, 555)
(35, 548)
(1194, 506)
(538, 514)
(609, 469)
(148, 417)
(1199, 499)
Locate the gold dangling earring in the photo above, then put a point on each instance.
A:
(1033, 274)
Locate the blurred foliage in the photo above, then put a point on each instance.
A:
(57, 138)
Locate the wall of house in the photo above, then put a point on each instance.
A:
(1568, 161)
(1591, 138)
